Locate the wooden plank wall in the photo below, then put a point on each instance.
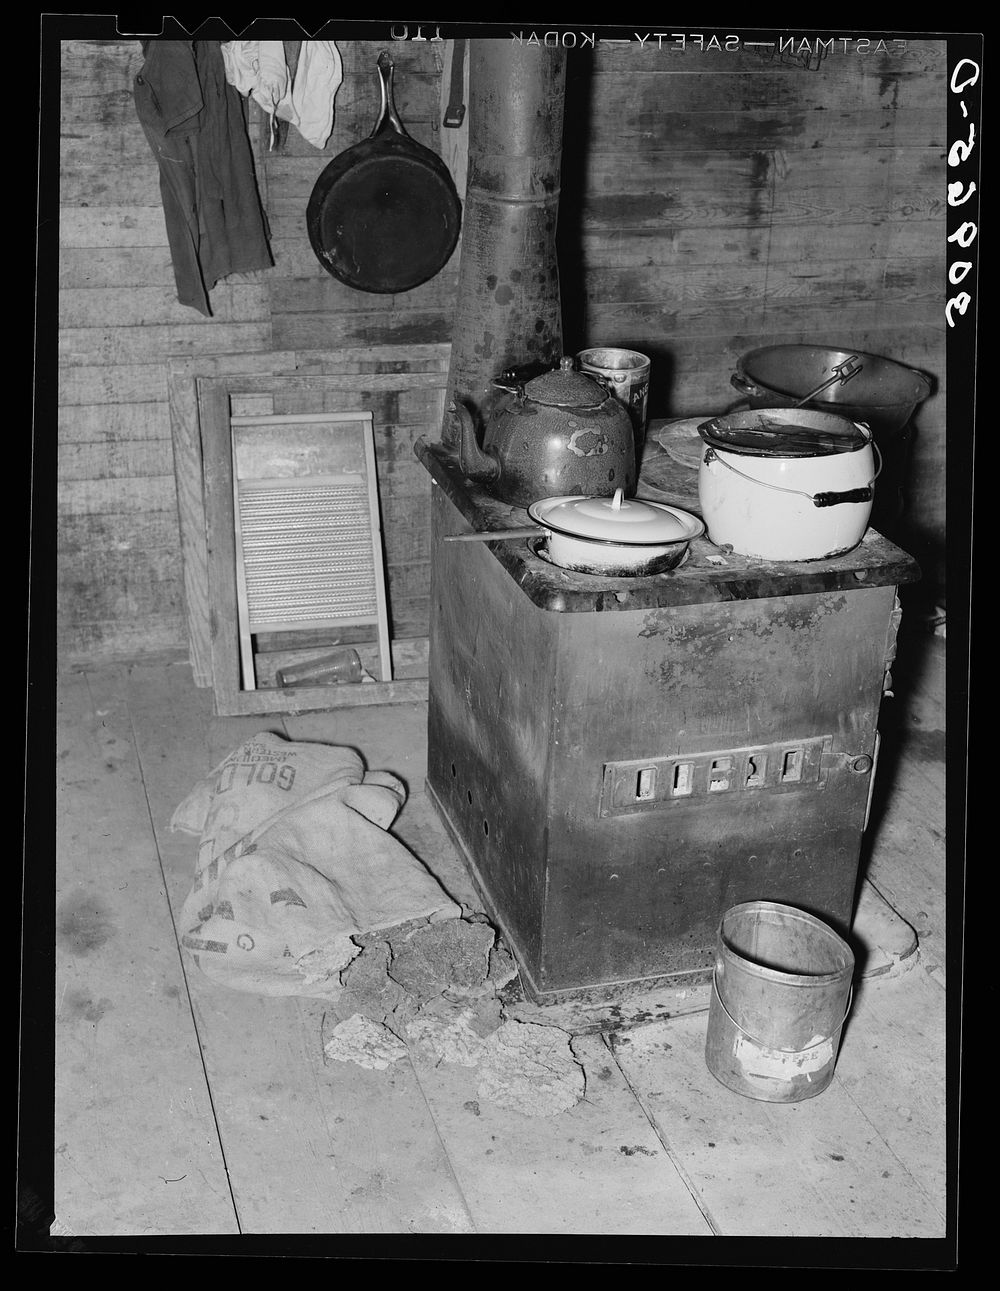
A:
(313, 311)
(120, 565)
(120, 572)
(714, 202)
(711, 202)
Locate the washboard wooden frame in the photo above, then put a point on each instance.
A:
(213, 396)
(387, 368)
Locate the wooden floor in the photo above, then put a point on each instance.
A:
(183, 1108)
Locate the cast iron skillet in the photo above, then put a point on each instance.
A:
(384, 216)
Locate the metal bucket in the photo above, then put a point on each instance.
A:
(780, 994)
(626, 373)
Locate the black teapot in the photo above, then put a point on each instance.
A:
(560, 434)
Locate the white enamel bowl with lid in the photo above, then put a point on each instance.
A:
(617, 535)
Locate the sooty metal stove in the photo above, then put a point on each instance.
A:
(619, 761)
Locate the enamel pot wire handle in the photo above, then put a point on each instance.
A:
(760, 1043)
(827, 499)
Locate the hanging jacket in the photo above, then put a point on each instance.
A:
(196, 126)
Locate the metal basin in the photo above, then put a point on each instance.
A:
(884, 393)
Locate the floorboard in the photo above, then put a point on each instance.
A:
(907, 866)
(187, 1108)
(597, 1168)
(137, 1149)
(892, 1067)
(905, 845)
(817, 1168)
(312, 1147)
(906, 862)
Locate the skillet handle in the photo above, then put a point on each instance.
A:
(388, 117)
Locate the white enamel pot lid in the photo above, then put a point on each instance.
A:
(618, 520)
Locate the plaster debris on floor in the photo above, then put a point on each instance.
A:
(300, 889)
(433, 991)
(365, 1042)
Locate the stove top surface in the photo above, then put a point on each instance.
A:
(709, 574)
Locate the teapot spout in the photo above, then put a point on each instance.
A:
(476, 464)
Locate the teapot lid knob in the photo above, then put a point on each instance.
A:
(566, 363)
(616, 501)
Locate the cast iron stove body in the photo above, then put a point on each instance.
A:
(621, 760)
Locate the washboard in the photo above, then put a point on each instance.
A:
(308, 528)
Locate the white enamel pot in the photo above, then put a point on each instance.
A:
(614, 536)
(786, 484)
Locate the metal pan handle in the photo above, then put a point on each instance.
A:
(495, 535)
(388, 117)
(739, 382)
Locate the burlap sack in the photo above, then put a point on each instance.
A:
(294, 861)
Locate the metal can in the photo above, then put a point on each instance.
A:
(626, 373)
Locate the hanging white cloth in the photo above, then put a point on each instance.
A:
(258, 69)
(318, 77)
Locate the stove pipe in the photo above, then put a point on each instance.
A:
(508, 310)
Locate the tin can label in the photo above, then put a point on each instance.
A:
(627, 375)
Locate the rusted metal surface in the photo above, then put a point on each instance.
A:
(529, 704)
(508, 309)
(576, 440)
(708, 574)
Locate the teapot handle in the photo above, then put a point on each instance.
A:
(507, 382)
(514, 378)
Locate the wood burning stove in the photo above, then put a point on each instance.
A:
(621, 760)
